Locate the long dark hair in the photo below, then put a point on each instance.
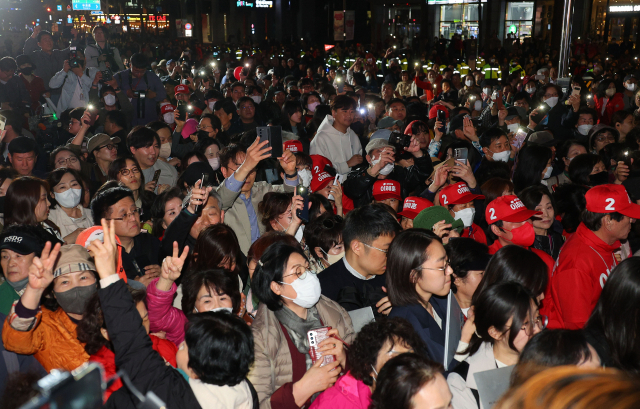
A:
(120, 163)
(92, 322)
(532, 161)
(158, 208)
(400, 379)
(495, 306)
(515, 263)
(466, 254)
(617, 314)
(216, 245)
(407, 252)
(22, 199)
(55, 177)
(532, 196)
(581, 167)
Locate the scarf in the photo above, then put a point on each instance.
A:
(297, 328)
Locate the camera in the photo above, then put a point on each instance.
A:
(140, 94)
(107, 75)
(399, 139)
(73, 58)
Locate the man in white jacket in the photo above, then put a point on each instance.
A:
(335, 140)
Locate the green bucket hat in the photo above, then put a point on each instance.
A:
(427, 218)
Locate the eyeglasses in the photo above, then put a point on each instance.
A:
(331, 222)
(604, 138)
(443, 269)
(540, 322)
(370, 246)
(125, 216)
(108, 146)
(127, 172)
(247, 108)
(70, 160)
(299, 274)
(204, 127)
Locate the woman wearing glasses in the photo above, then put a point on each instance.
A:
(418, 281)
(506, 317)
(66, 210)
(127, 171)
(290, 305)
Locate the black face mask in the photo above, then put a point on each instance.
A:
(600, 178)
(26, 70)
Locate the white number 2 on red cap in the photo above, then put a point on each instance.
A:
(493, 213)
(444, 198)
(610, 205)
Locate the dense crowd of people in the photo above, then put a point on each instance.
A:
(430, 221)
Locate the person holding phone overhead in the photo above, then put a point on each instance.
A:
(241, 194)
(284, 373)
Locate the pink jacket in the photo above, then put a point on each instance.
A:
(346, 393)
(163, 316)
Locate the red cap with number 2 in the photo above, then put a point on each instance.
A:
(508, 208)
(611, 198)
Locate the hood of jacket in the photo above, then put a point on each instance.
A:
(327, 126)
(222, 397)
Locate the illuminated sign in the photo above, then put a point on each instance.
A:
(264, 3)
(86, 4)
(622, 9)
(59, 7)
(244, 3)
(187, 26)
(157, 18)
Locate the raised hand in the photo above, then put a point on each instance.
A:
(255, 153)
(288, 162)
(41, 269)
(105, 253)
(172, 266)
(199, 196)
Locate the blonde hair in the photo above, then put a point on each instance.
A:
(569, 387)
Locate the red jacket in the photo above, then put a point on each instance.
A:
(548, 260)
(583, 266)
(476, 233)
(615, 104)
(107, 358)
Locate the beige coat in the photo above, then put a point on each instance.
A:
(66, 224)
(236, 215)
(272, 366)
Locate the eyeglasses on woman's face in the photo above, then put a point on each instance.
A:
(62, 162)
(127, 172)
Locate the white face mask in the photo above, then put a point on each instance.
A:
(214, 163)
(219, 309)
(256, 98)
(305, 176)
(501, 156)
(307, 290)
(168, 118)
(468, 83)
(610, 92)
(551, 101)
(388, 168)
(477, 106)
(631, 87)
(312, 106)
(110, 99)
(211, 104)
(70, 198)
(487, 91)
(584, 129)
(531, 90)
(332, 258)
(513, 127)
(165, 150)
(466, 215)
(547, 173)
